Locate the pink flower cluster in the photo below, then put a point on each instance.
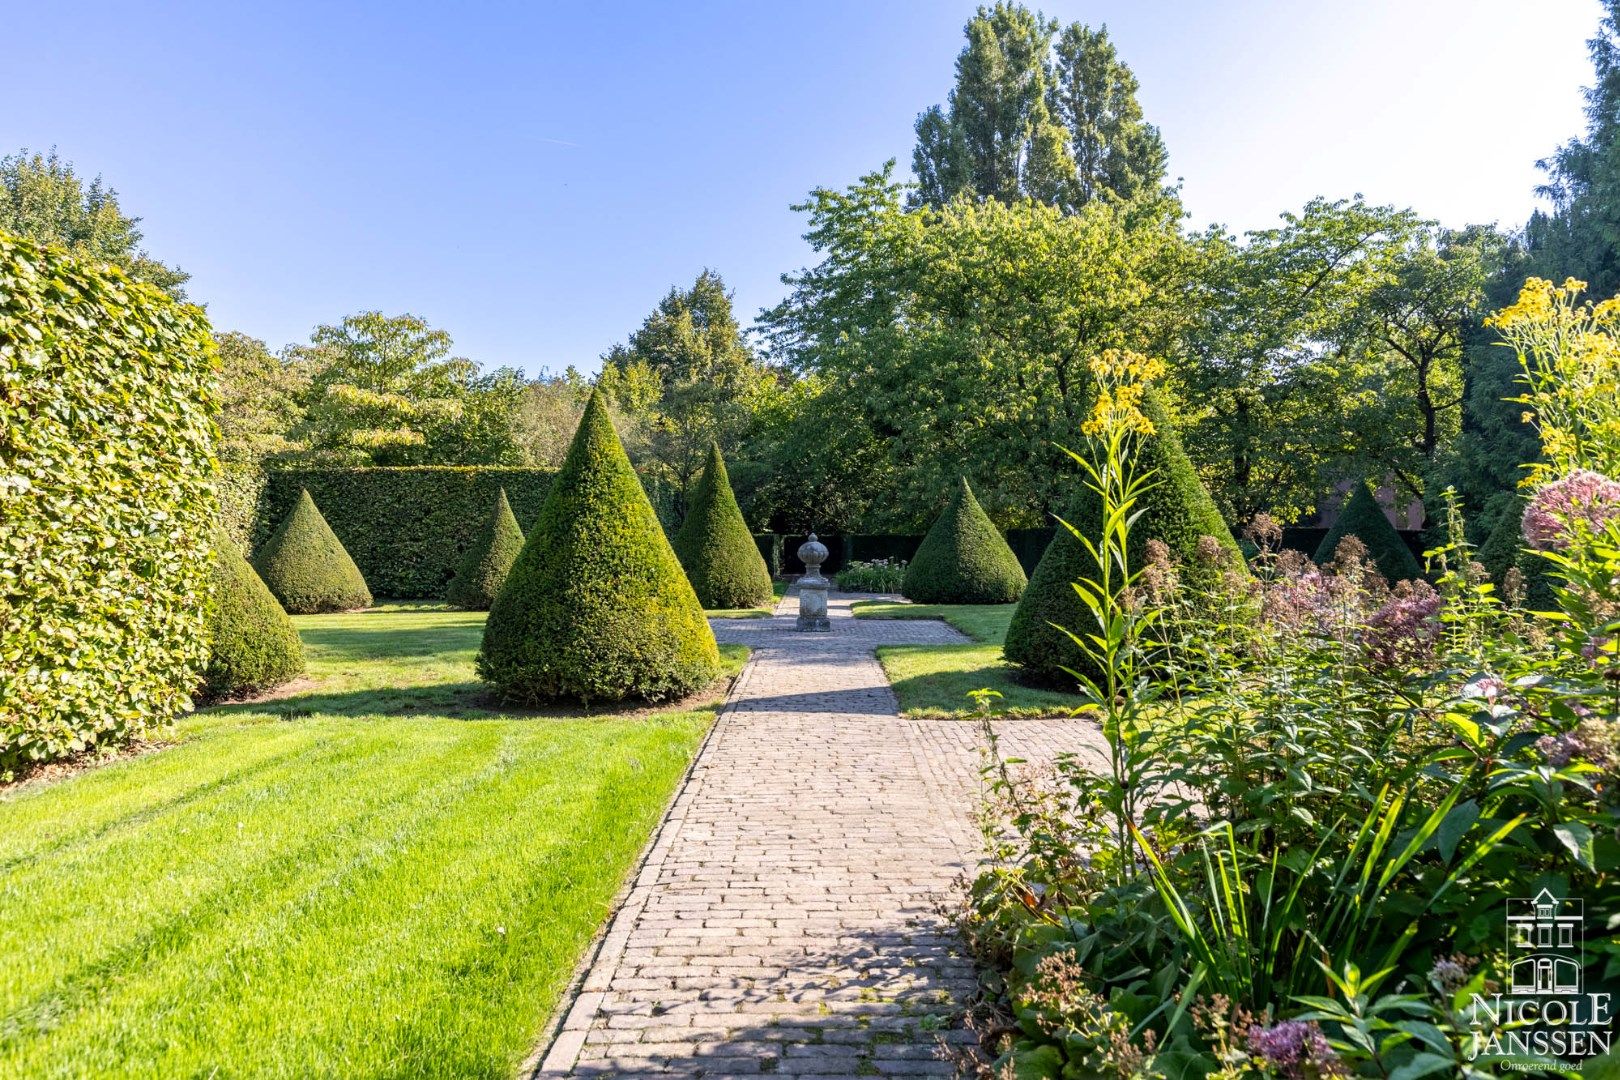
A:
(1403, 632)
(1583, 499)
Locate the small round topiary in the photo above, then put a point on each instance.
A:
(1364, 519)
(715, 546)
(596, 607)
(486, 564)
(1175, 510)
(964, 559)
(305, 566)
(252, 644)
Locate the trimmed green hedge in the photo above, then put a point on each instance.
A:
(106, 504)
(306, 568)
(596, 607)
(963, 559)
(715, 547)
(486, 564)
(252, 643)
(1176, 510)
(1364, 519)
(407, 529)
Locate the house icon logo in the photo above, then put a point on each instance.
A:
(1544, 944)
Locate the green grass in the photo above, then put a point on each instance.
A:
(379, 875)
(933, 681)
(778, 590)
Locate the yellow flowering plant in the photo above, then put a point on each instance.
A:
(1570, 356)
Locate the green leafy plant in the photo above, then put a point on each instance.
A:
(106, 495)
(486, 564)
(252, 644)
(306, 567)
(715, 547)
(964, 559)
(597, 607)
(874, 576)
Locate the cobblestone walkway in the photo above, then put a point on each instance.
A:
(785, 920)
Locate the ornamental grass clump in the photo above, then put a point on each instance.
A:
(964, 559)
(716, 547)
(488, 561)
(252, 643)
(306, 568)
(597, 607)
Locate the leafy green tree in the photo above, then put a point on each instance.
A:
(958, 338)
(306, 567)
(716, 547)
(688, 378)
(488, 561)
(252, 644)
(1364, 519)
(43, 199)
(597, 608)
(1115, 151)
(964, 559)
(1022, 123)
(260, 399)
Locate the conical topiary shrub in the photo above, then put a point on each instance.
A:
(964, 559)
(715, 546)
(596, 607)
(1364, 519)
(486, 564)
(306, 567)
(1177, 510)
(252, 644)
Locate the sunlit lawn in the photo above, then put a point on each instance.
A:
(380, 875)
(933, 681)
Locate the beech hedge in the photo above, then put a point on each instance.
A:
(106, 504)
(407, 529)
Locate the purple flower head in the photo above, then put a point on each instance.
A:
(1404, 630)
(1488, 687)
(1583, 499)
(1295, 1049)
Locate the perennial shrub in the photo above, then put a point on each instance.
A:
(306, 568)
(486, 564)
(715, 547)
(106, 504)
(1176, 510)
(252, 644)
(1364, 519)
(964, 559)
(874, 576)
(597, 607)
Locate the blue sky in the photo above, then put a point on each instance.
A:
(534, 177)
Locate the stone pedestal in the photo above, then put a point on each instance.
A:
(813, 587)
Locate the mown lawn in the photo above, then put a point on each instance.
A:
(933, 681)
(380, 875)
(778, 590)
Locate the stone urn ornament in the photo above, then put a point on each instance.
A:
(813, 587)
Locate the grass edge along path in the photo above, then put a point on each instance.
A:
(383, 875)
(932, 681)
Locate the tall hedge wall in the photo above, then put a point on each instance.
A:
(106, 504)
(407, 529)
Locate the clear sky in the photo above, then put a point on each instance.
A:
(534, 177)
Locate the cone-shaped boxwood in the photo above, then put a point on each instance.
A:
(486, 564)
(1364, 519)
(252, 644)
(597, 608)
(1176, 510)
(306, 567)
(715, 546)
(964, 559)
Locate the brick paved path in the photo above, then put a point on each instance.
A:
(784, 919)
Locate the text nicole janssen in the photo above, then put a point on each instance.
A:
(1573, 1027)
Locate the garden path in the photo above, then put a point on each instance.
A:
(785, 917)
